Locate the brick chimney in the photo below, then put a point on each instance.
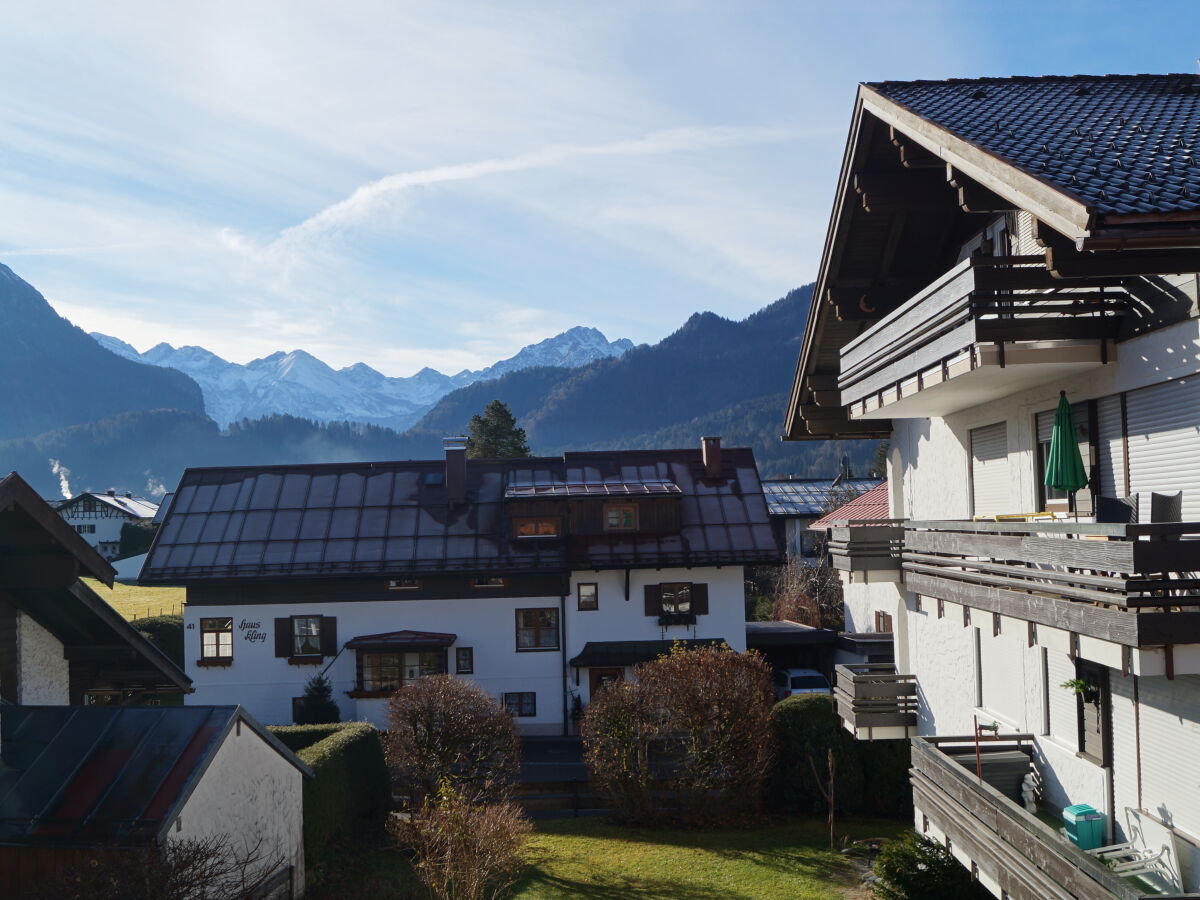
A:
(456, 468)
(710, 452)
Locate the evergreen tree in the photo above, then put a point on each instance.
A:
(495, 434)
(317, 706)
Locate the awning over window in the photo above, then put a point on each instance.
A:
(628, 653)
(393, 641)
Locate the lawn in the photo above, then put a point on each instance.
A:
(135, 602)
(592, 858)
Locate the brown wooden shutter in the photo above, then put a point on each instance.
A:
(653, 600)
(700, 599)
(283, 637)
(329, 642)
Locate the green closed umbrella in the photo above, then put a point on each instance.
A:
(1064, 465)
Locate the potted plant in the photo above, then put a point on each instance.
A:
(1084, 688)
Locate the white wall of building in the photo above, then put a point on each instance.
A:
(265, 684)
(44, 674)
(249, 793)
(104, 524)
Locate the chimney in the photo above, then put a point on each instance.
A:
(710, 452)
(112, 492)
(129, 494)
(456, 468)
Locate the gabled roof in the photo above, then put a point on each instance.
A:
(869, 507)
(108, 774)
(1119, 144)
(18, 499)
(803, 497)
(134, 507)
(395, 518)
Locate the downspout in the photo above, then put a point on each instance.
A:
(562, 617)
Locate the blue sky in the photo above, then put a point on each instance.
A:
(412, 184)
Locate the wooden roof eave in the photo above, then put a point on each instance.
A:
(16, 493)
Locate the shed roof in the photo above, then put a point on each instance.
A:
(407, 640)
(107, 774)
(871, 506)
(395, 518)
(629, 653)
(810, 496)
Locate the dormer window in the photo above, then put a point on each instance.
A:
(620, 517)
(535, 527)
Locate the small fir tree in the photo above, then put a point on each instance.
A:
(495, 434)
(317, 706)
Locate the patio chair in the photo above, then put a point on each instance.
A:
(1117, 510)
(1151, 853)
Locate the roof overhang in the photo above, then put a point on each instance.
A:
(16, 495)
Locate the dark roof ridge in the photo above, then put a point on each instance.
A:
(1011, 79)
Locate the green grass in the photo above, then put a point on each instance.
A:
(596, 860)
(135, 602)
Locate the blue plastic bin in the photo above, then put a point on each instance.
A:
(1085, 826)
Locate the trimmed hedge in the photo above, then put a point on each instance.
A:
(351, 792)
(871, 776)
(165, 633)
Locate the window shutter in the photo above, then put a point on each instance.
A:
(700, 599)
(329, 641)
(283, 637)
(653, 600)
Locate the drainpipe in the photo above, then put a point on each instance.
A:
(562, 618)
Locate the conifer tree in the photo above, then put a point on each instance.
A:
(495, 434)
(317, 706)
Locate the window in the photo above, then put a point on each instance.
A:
(1048, 497)
(1094, 711)
(528, 527)
(537, 629)
(384, 672)
(306, 636)
(464, 660)
(883, 622)
(403, 584)
(620, 517)
(85, 529)
(489, 582)
(216, 638)
(676, 597)
(521, 703)
(588, 595)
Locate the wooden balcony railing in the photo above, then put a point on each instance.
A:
(874, 702)
(1013, 848)
(1134, 585)
(982, 300)
(866, 546)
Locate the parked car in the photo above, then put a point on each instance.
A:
(800, 681)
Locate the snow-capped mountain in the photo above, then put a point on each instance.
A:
(299, 384)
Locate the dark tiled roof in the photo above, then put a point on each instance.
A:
(105, 774)
(869, 507)
(630, 653)
(394, 518)
(811, 496)
(1120, 143)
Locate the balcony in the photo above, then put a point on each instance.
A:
(869, 550)
(1017, 855)
(1066, 582)
(874, 702)
(989, 327)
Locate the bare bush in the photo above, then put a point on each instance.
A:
(464, 850)
(690, 739)
(193, 869)
(444, 733)
(808, 594)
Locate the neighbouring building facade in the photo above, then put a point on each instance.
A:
(99, 516)
(994, 243)
(537, 579)
(796, 503)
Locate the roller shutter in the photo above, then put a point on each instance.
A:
(989, 470)
(1124, 749)
(1164, 444)
(1064, 711)
(1045, 427)
(1111, 446)
(1001, 672)
(1170, 713)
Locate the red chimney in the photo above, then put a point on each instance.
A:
(710, 452)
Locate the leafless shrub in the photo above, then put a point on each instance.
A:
(464, 850)
(446, 733)
(192, 869)
(690, 738)
(808, 594)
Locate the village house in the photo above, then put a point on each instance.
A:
(88, 757)
(537, 579)
(795, 503)
(993, 244)
(99, 516)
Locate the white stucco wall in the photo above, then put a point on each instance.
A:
(265, 684)
(249, 793)
(43, 674)
(107, 521)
